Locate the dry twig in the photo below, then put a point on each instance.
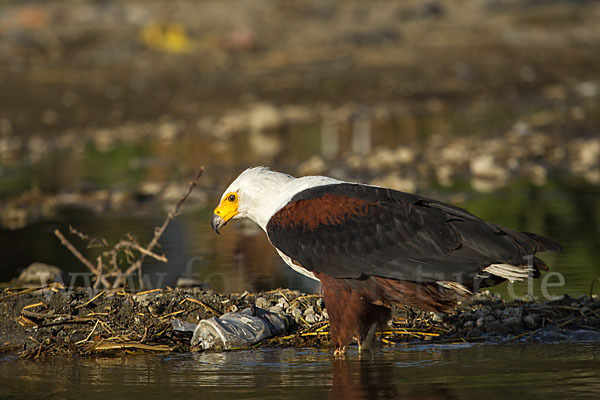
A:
(80, 257)
(137, 266)
(112, 269)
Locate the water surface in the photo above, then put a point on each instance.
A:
(566, 370)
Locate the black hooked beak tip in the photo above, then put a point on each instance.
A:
(216, 222)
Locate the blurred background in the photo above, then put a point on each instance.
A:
(108, 108)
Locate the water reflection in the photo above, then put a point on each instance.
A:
(426, 372)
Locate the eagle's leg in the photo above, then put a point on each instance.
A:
(340, 334)
(352, 313)
(366, 342)
(341, 324)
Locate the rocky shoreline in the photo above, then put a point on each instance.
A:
(41, 322)
(523, 154)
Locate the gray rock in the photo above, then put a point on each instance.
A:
(483, 312)
(481, 322)
(466, 315)
(39, 274)
(512, 324)
(531, 321)
(438, 317)
(493, 326)
(586, 335)
(512, 312)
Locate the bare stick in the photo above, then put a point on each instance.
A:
(137, 266)
(80, 257)
(128, 244)
(92, 242)
(99, 270)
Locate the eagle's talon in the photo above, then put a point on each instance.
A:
(340, 351)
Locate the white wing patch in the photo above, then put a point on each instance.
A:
(511, 272)
(296, 267)
(458, 288)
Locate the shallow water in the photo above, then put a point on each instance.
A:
(567, 370)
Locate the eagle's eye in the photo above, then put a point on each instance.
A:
(231, 197)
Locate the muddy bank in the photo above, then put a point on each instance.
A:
(54, 321)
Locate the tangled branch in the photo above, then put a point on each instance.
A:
(107, 264)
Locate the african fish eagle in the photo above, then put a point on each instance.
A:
(373, 247)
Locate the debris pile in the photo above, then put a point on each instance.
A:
(52, 320)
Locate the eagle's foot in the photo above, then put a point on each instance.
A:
(340, 351)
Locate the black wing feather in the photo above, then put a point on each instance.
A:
(392, 234)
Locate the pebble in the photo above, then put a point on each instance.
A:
(512, 312)
(283, 303)
(493, 326)
(438, 317)
(309, 311)
(466, 315)
(484, 311)
(484, 320)
(262, 303)
(296, 313)
(531, 322)
(276, 310)
(512, 324)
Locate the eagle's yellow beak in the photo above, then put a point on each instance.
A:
(225, 211)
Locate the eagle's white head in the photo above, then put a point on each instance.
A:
(258, 193)
(255, 194)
